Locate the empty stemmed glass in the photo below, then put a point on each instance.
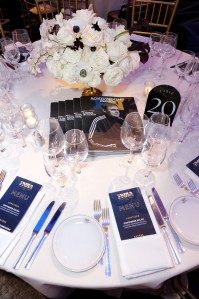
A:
(154, 40)
(154, 148)
(22, 39)
(12, 55)
(167, 47)
(13, 122)
(76, 148)
(182, 63)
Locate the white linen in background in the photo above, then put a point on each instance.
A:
(8, 240)
(144, 255)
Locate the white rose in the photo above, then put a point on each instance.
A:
(69, 73)
(84, 14)
(55, 68)
(95, 79)
(64, 37)
(92, 37)
(99, 60)
(72, 56)
(116, 51)
(113, 76)
(126, 66)
(134, 58)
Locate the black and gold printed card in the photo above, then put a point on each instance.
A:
(16, 201)
(131, 214)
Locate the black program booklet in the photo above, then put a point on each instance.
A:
(69, 115)
(16, 201)
(61, 115)
(131, 214)
(102, 118)
(77, 114)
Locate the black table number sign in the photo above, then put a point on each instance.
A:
(131, 214)
(163, 98)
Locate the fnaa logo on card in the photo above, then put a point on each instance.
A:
(25, 185)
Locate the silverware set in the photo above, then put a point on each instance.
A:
(102, 216)
(190, 187)
(2, 177)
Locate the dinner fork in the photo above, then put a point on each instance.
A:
(193, 188)
(179, 182)
(105, 225)
(2, 177)
(97, 213)
(97, 210)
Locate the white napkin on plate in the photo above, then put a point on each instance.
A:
(139, 38)
(143, 255)
(8, 240)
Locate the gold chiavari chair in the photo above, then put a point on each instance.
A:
(3, 22)
(159, 14)
(74, 5)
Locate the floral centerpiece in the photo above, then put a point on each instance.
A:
(84, 49)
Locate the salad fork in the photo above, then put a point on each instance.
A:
(2, 177)
(193, 188)
(179, 182)
(105, 225)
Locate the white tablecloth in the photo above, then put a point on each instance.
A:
(98, 176)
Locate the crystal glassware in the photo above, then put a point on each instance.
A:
(76, 148)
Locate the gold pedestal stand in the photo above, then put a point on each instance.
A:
(91, 91)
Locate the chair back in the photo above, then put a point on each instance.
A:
(74, 5)
(158, 14)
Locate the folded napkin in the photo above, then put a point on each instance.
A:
(8, 240)
(141, 246)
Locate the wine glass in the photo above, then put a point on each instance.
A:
(22, 39)
(58, 169)
(5, 148)
(182, 62)
(167, 47)
(154, 148)
(76, 148)
(133, 133)
(154, 40)
(12, 55)
(192, 72)
(49, 136)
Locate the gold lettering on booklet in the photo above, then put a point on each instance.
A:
(196, 163)
(26, 185)
(20, 195)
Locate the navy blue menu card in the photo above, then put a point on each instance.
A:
(192, 169)
(131, 214)
(16, 201)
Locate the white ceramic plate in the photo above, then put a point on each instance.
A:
(184, 218)
(79, 243)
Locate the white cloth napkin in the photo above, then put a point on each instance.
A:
(139, 38)
(143, 255)
(8, 240)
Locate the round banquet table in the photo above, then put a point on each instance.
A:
(46, 274)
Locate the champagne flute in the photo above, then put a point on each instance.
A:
(154, 40)
(76, 148)
(154, 149)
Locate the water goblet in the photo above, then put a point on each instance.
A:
(76, 148)
(154, 148)
(22, 39)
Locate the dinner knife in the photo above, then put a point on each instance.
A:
(162, 225)
(166, 218)
(35, 232)
(47, 230)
